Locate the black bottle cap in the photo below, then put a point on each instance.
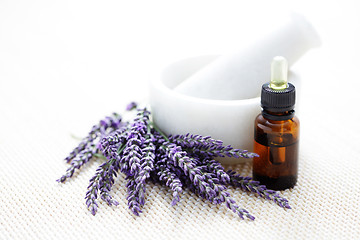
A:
(278, 100)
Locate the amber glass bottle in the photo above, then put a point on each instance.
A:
(277, 132)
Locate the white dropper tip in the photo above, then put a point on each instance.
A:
(279, 73)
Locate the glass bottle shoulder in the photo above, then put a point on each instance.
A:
(268, 126)
(276, 133)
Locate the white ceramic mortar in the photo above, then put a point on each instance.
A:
(228, 120)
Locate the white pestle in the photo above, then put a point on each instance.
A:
(239, 75)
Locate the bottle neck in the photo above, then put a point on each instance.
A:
(278, 116)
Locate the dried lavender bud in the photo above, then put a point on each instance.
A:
(106, 181)
(110, 144)
(111, 122)
(247, 184)
(204, 184)
(224, 196)
(179, 158)
(146, 166)
(194, 141)
(133, 196)
(148, 158)
(101, 181)
(213, 189)
(231, 204)
(166, 175)
(208, 147)
(80, 159)
(131, 106)
(218, 170)
(93, 188)
(138, 159)
(130, 162)
(111, 147)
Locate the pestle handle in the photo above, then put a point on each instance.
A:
(239, 75)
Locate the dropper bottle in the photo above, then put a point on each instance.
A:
(277, 131)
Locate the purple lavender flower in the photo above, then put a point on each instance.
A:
(138, 159)
(208, 147)
(146, 166)
(130, 161)
(247, 184)
(112, 144)
(133, 196)
(231, 204)
(131, 106)
(148, 158)
(218, 170)
(104, 178)
(88, 147)
(166, 174)
(80, 159)
(194, 141)
(101, 181)
(106, 181)
(93, 188)
(179, 159)
(111, 147)
(203, 183)
(111, 122)
(220, 196)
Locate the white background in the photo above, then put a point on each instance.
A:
(66, 64)
(65, 59)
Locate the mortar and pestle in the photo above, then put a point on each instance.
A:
(220, 95)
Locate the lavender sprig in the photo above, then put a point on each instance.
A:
(112, 147)
(208, 147)
(247, 184)
(93, 188)
(80, 159)
(194, 141)
(224, 196)
(116, 137)
(170, 178)
(204, 185)
(88, 147)
(218, 170)
(179, 159)
(147, 160)
(106, 181)
(138, 159)
(111, 122)
(231, 204)
(133, 196)
(147, 165)
(131, 106)
(130, 161)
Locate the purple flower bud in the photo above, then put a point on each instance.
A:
(95, 133)
(131, 106)
(247, 184)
